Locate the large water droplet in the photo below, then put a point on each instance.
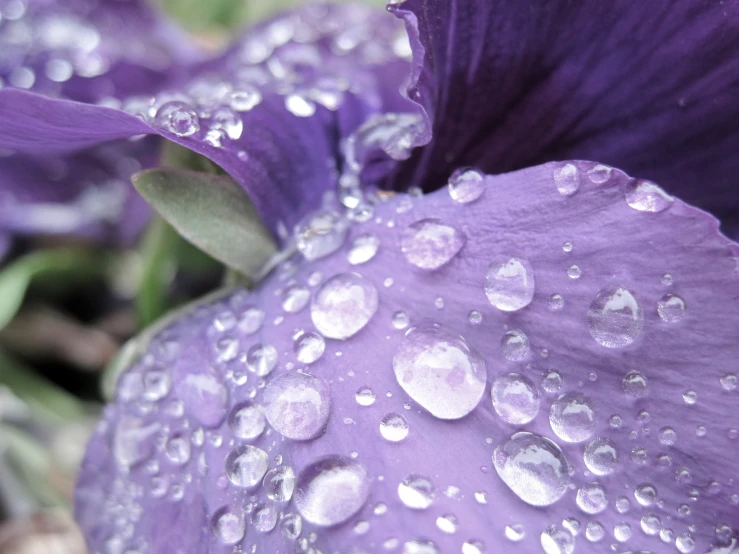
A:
(601, 456)
(437, 368)
(363, 249)
(671, 308)
(246, 466)
(320, 234)
(615, 317)
(515, 346)
(591, 498)
(646, 196)
(309, 347)
(572, 417)
(416, 491)
(466, 185)
(394, 427)
(555, 540)
(228, 524)
(297, 405)
(509, 283)
(567, 179)
(247, 420)
(279, 484)
(331, 490)
(429, 243)
(344, 305)
(515, 398)
(533, 467)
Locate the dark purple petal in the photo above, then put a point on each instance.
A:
(650, 87)
(615, 305)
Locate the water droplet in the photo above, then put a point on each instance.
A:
(400, 320)
(555, 540)
(447, 523)
(591, 498)
(178, 449)
(363, 249)
(622, 532)
(533, 467)
(615, 317)
(133, 440)
(178, 118)
(466, 185)
(394, 427)
(320, 234)
(671, 308)
(567, 246)
(651, 524)
(551, 381)
(574, 272)
(416, 491)
(279, 484)
(634, 384)
(567, 180)
(251, 320)
(729, 382)
(645, 196)
(645, 494)
(295, 298)
(309, 347)
(343, 305)
(292, 526)
(297, 405)
(509, 283)
(331, 490)
(690, 397)
(515, 532)
(245, 98)
(261, 359)
(515, 346)
(556, 302)
(229, 121)
(437, 368)
(365, 396)
(572, 417)
(601, 456)
(247, 420)
(685, 543)
(599, 174)
(264, 518)
(246, 466)
(420, 546)
(515, 398)
(594, 531)
(473, 547)
(667, 436)
(429, 243)
(228, 525)
(475, 317)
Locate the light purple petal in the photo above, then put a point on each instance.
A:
(650, 87)
(568, 268)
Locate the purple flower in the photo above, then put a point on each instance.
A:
(522, 359)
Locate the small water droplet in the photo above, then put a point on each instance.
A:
(246, 466)
(599, 174)
(622, 532)
(261, 359)
(551, 381)
(400, 320)
(566, 179)
(251, 320)
(264, 518)
(473, 547)
(429, 243)
(331, 490)
(572, 417)
(646, 494)
(591, 498)
(615, 317)
(574, 272)
(295, 298)
(651, 524)
(247, 420)
(556, 302)
(297, 405)
(729, 382)
(509, 283)
(343, 305)
(466, 185)
(320, 234)
(555, 540)
(309, 347)
(515, 398)
(645, 196)
(228, 525)
(279, 484)
(363, 249)
(533, 467)
(515, 532)
(671, 308)
(690, 397)
(365, 396)
(634, 384)
(475, 317)
(447, 523)
(178, 118)
(667, 436)
(394, 427)
(567, 246)
(594, 531)
(178, 449)
(416, 492)
(515, 346)
(437, 368)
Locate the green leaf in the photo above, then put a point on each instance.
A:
(158, 262)
(16, 277)
(211, 211)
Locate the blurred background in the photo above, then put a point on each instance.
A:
(66, 307)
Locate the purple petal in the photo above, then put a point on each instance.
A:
(646, 86)
(272, 111)
(612, 304)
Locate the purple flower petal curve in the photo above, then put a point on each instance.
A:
(272, 111)
(611, 304)
(649, 87)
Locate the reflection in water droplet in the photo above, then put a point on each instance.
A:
(651, 524)
(437, 368)
(363, 249)
(600, 174)
(601, 456)
(178, 449)
(429, 243)
(246, 466)
(645, 196)
(261, 359)
(251, 320)
(574, 272)
(515, 398)
(671, 308)
(447, 523)
(228, 524)
(622, 532)
(515, 346)
(264, 518)
(297, 405)
(551, 381)
(394, 427)
(466, 185)
(595, 531)
(556, 302)
(309, 347)
(591, 498)
(365, 396)
(279, 484)
(572, 417)
(331, 490)
(247, 420)
(343, 305)
(420, 546)
(515, 532)
(634, 384)
(400, 320)
(320, 234)
(295, 298)
(509, 283)
(533, 467)
(567, 179)
(555, 540)
(615, 317)
(416, 491)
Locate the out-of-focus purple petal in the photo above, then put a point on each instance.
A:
(272, 111)
(85, 194)
(615, 305)
(650, 87)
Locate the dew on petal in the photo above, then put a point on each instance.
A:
(591, 498)
(572, 417)
(567, 179)
(228, 525)
(261, 359)
(515, 532)
(429, 243)
(297, 405)
(599, 174)
(295, 298)
(466, 185)
(515, 346)
(247, 420)
(400, 320)
(331, 490)
(634, 384)
(645, 196)
(533, 467)
(320, 234)
(279, 484)
(671, 308)
(594, 531)
(615, 317)
(365, 396)
(416, 492)
(555, 540)
(437, 368)
(363, 249)
(264, 518)
(509, 283)
(246, 466)
(394, 427)
(309, 347)
(515, 398)
(343, 305)
(601, 456)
